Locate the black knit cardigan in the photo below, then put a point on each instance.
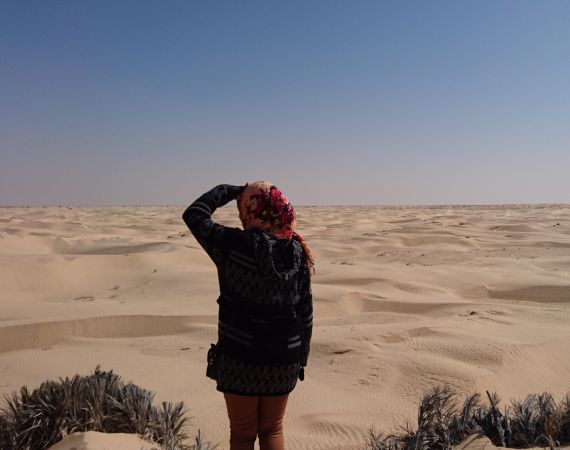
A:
(265, 303)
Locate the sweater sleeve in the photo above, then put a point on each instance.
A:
(213, 237)
(305, 313)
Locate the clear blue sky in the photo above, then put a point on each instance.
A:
(352, 102)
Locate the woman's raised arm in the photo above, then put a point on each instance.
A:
(198, 217)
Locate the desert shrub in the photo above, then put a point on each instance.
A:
(536, 420)
(98, 402)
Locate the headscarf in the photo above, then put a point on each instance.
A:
(262, 206)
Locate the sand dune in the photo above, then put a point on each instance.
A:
(44, 334)
(92, 440)
(405, 298)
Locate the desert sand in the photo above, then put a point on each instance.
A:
(92, 440)
(405, 298)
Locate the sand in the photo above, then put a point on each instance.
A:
(405, 298)
(93, 440)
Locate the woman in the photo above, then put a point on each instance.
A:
(265, 307)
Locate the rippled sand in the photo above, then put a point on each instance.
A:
(405, 298)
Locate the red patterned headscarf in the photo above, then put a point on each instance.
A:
(262, 206)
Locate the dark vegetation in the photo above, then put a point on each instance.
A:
(97, 402)
(443, 423)
(103, 402)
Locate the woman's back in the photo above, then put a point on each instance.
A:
(265, 303)
(265, 307)
(266, 272)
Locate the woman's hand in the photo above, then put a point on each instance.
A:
(238, 197)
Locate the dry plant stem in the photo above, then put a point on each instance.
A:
(536, 420)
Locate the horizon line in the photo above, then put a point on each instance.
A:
(360, 205)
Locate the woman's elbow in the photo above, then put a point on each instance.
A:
(187, 216)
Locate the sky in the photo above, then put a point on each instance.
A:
(336, 102)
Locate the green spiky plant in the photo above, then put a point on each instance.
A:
(537, 420)
(200, 444)
(97, 402)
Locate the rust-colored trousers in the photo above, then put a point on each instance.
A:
(256, 416)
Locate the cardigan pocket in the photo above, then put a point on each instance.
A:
(212, 371)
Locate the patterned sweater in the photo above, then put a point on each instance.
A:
(265, 303)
